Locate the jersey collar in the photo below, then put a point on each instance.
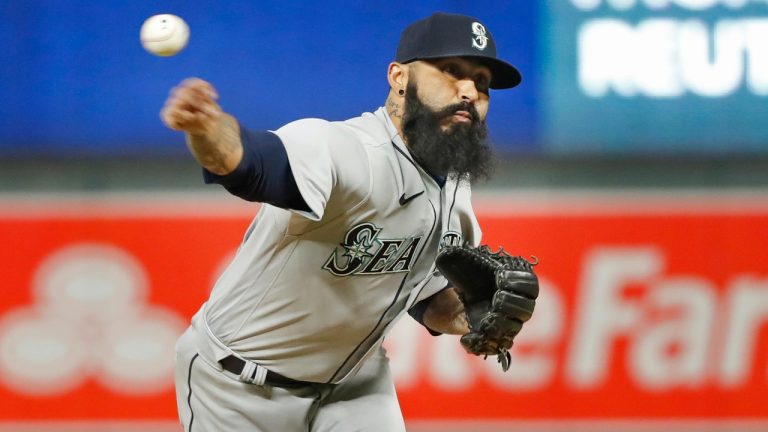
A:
(411, 181)
(394, 135)
(399, 144)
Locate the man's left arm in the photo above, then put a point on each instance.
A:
(444, 313)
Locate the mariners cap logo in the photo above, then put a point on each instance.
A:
(480, 40)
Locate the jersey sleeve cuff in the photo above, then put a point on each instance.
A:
(239, 175)
(417, 313)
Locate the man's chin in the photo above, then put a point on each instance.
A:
(452, 124)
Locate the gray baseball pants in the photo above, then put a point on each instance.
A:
(209, 398)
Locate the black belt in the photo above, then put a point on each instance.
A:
(274, 379)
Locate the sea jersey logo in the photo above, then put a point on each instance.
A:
(480, 41)
(363, 253)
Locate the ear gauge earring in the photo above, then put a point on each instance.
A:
(401, 92)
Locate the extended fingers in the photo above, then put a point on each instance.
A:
(194, 91)
(199, 86)
(179, 118)
(191, 106)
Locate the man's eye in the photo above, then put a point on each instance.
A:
(482, 82)
(451, 70)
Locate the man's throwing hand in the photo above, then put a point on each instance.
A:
(191, 107)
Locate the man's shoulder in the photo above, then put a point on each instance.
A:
(306, 125)
(369, 129)
(366, 128)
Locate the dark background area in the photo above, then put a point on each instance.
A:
(81, 98)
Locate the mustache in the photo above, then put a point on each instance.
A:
(461, 106)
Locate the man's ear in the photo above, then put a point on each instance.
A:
(397, 76)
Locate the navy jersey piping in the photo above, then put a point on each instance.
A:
(437, 179)
(189, 395)
(394, 300)
(450, 212)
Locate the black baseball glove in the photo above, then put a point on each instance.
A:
(499, 293)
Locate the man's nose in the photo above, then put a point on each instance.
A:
(467, 90)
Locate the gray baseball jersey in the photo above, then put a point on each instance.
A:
(310, 295)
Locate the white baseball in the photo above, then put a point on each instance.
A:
(164, 35)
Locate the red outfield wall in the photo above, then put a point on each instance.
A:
(653, 307)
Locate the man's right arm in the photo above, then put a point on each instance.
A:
(252, 166)
(213, 136)
(221, 153)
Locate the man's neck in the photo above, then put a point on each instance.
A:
(395, 111)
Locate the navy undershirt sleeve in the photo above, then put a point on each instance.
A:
(417, 311)
(263, 175)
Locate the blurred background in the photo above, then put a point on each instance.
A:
(633, 162)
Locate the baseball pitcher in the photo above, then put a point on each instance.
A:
(362, 221)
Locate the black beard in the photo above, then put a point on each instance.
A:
(461, 150)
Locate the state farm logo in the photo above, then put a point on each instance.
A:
(89, 320)
(680, 332)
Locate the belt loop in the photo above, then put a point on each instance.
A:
(253, 373)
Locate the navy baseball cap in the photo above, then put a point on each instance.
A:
(452, 35)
